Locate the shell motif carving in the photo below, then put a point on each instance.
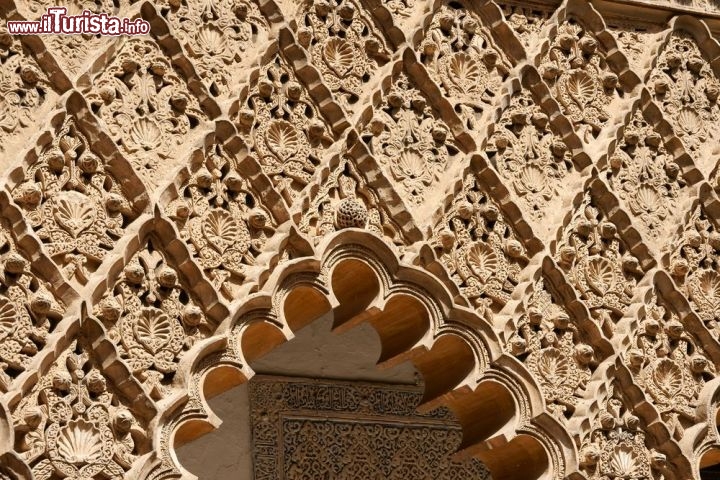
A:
(530, 156)
(580, 79)
(598, 265)
(459, 56)
(547, 340)
(221, 36)
(284, 128)
(410, 141)
(480, 250)
(646, 177)
(146, 106)
(72, 201)
(222, 218)
(615, 447)
(344, 46)
(685, 87)
(152, 319)
(73, 425)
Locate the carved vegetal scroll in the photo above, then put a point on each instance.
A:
(646, 176)
(223, 217)
(597, 263)
(29, 309)
(460, 57)
(580, 78)
(479, 248)
(686, 88)
(549, 342)
(221, 37)
(616, 445)
(152, 318)
(75, 204)
(147, 107)
(694, 265)
(668, 363)
(529, 155)
(74, 424)
(411, 141)
(344, 46)
(23, 88)
(283, 127)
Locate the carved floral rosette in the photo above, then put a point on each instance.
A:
(580, 79)
(410, 140)
(459, 56)
(221, 217)
(74, 425)
(479, 248)
(73, 202)
(152, 319)
(146, 106)
(220, 36)
(669, 363)
(526, 22)
(550, 344)
(597, 263)
(344, 46)
(283, 128)
(686, 88)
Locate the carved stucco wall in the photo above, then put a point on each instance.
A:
(521, 198)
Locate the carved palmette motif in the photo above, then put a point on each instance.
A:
(616, 445)
(74, 425)
(152, 319)
(669, 364)
(28, 310)
(548, 341)
(685, 87)
(459, 56)
(344, 200)
(23, 87)
(220, 35)
(529, 155)
(694, 266)
(223, 220)
(147, 107)
(410, 140)
(344, 45)
(598, 264)
(646, 177)
(580, 78)
(479, 248)
(283, 128)
(73, 203)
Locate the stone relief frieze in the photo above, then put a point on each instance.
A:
(443, 150)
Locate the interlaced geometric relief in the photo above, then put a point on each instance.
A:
(326, 429)
(522, 198)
